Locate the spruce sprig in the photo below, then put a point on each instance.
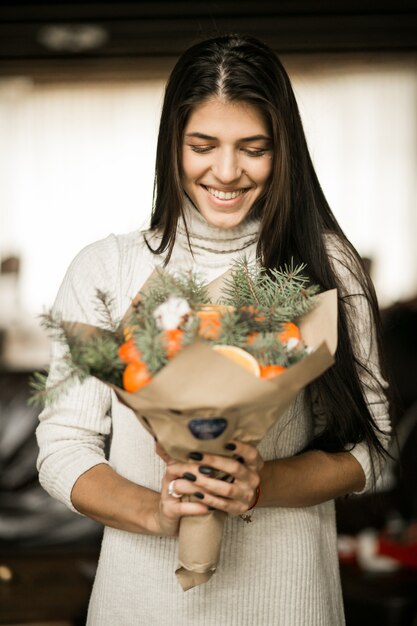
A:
(103, 306)
(185, 285)
(234, 329)
(97, 356)
(270, 297)
(149, 341)
(268, 350)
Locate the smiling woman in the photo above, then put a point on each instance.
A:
(226, 160)
(233, 176)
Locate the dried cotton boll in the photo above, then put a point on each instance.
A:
(172, 313)
(292, 343)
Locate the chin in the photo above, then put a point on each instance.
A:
(224, 221)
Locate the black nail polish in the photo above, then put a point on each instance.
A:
(240, 459)
(196, 456)
(199, 495)
(230, 446)
(189, 476)
(206, 470)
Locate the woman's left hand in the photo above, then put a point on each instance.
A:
(233, 495)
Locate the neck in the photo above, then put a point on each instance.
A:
(203, 236)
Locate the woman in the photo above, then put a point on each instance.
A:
(233, 174)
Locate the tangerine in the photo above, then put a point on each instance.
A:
(210, 323)
(135, 376)
(173, 341)
(271, 371)
(289, 331)
(128, 352)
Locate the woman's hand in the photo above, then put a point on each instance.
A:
(233, 494)
(171, 507)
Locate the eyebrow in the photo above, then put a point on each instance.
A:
(244, 139)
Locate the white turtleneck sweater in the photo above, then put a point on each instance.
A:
(282, 569)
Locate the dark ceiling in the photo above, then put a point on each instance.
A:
(47, 31)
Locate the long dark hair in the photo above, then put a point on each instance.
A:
(294, 214)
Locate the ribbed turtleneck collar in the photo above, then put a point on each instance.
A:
(205, 238)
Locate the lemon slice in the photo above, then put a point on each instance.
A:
(240, 357)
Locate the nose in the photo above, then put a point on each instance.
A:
(226, 166)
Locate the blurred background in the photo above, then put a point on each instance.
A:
(81, 86)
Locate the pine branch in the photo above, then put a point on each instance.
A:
(268, 350)
(250, 282)
(104, 303)
(97, 356)
(149, 343)
(234, 329)
(44, 393)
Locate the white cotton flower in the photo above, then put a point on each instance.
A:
(172, 313)
(292, 343)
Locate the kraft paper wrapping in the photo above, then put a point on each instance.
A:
(200, 401)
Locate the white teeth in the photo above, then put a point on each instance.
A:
(225, 195)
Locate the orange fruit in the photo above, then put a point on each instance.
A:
(128, 352)
(270, 371)
(210, 320)
(289, 331)
(240, 357)
(173, 341)
(210, 324)
(135, 376)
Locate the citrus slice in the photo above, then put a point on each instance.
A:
(240, 357)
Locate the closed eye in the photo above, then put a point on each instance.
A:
(201, 149)
(256, 152)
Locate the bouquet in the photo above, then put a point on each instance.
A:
(267, 336)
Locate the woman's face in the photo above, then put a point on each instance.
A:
(226, 160)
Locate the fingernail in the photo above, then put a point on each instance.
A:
(199, 495)
(230, 446)
(189, 476)
(205, 469)
(240, 459)
(196, 456)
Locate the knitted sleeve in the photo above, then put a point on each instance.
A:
(362, 334)
(72, 430)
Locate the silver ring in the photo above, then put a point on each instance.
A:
(171, 490)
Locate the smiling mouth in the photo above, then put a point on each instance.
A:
(225, 195)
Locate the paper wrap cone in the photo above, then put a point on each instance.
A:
(201, 400)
